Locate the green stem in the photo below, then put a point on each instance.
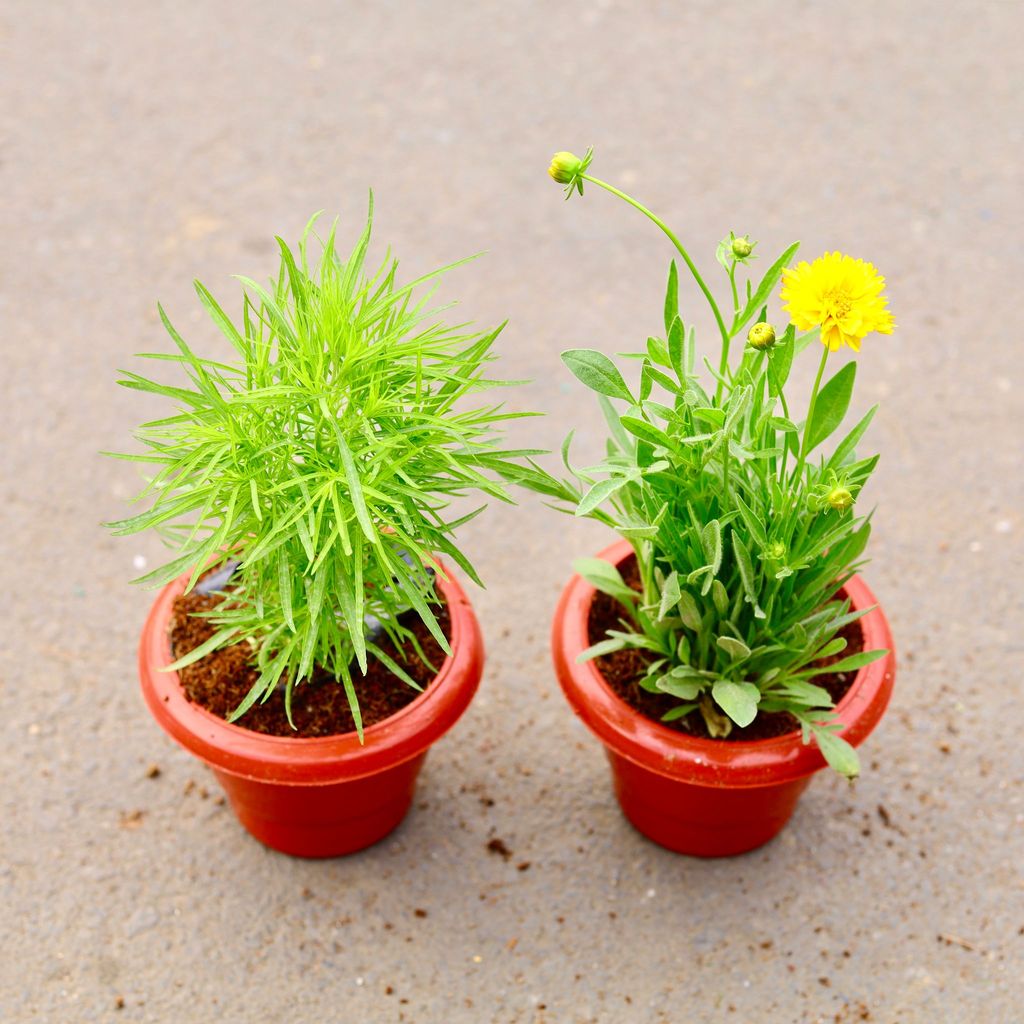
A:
(723, 330)
(798, 470)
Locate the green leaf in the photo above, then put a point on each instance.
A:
(846, 447)
(690, 611)
(647, 432)
(622, 439)
(854, 661)
(634, 528)
(752, 523)
(720, 597)
(746, 571)
(830, 407)
(711, 539)
(676, 355)
(671, 297)
(600, 492)
(738, 700)
(602, 647)
(684, 689)
(606, 578)
(734, 648)
(670, 595)
(219, 638)
(838, 753)
(767, 285)
(597, 372)
(780, 361)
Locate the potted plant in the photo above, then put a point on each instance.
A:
(725, 649)
(309, 643)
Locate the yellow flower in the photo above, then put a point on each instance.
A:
(841, 295)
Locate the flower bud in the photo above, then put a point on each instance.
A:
(839, 498)
(761, 336)
(741, 248)
(776, 551)
(568, 170)
(564, 167)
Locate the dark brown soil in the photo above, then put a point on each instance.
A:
(220, 681)
(623, 671)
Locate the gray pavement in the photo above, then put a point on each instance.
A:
(144, 144)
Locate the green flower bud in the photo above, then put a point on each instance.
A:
(564, 167)
(741, 248)
(776, 551)
(839, 498)
(568, 169)
(761, 336)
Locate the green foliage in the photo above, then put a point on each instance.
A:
(324, 456)
(741, 544)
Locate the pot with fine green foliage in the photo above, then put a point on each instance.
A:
(304, 480)
(726, 649)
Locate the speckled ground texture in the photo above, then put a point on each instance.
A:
(142, 145)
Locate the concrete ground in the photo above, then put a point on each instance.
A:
(144, 144)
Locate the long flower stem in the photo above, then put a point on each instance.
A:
(723, 330)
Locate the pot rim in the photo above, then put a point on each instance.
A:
(320, 760)
(707, 762)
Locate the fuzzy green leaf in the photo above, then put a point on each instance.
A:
(670, 595)
(597, 372)
(738, 700)
(599, 493)
(838, 753)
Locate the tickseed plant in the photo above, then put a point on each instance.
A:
(321, 460)
(743, 525)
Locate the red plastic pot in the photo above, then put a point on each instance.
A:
(710, 798)
(326, 796)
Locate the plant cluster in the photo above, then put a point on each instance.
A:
(322, 459)
(742, 520)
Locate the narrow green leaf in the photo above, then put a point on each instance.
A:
(676, 353)
(602, 647)
(671, 297)
(606, 578)
(767, 285)
(670, 595)
(780, 361)
(831, 405)
(746, 570)
(355, 489)
(600, 492)
(647, 432)
(846, 447)
(854, 661)
(711, 539)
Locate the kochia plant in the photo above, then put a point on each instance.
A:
(744, 531)
(322, 458)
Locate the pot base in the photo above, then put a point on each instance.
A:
(703, 821)
(323, 821)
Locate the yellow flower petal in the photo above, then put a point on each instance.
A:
(841, 295)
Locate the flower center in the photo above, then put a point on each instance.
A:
(837, 302)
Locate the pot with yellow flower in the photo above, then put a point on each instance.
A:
(726, 648)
